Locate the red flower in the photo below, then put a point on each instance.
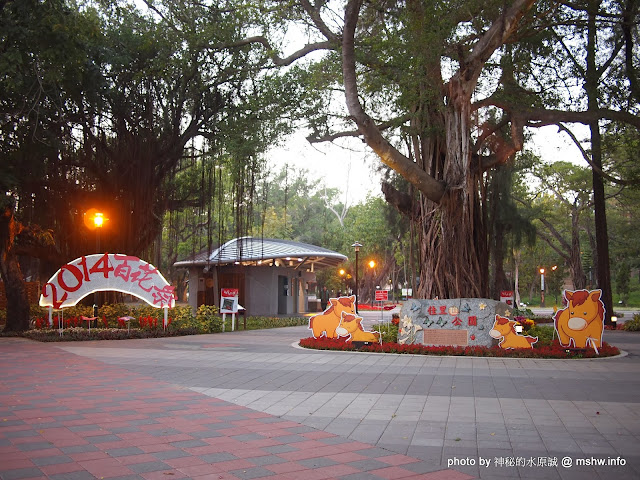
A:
(554, 351)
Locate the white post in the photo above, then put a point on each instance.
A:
(166, 317)
(233, 319)
(50, 316)
(224, 319)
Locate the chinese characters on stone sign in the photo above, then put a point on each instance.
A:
(455, 321)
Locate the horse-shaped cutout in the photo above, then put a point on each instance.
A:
(504, 329)
(325, 323)
(581, 323)
(351, 327)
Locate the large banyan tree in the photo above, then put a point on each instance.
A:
(104, 104)
(443, 92)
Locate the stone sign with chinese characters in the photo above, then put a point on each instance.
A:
(107, 272)
(457, 321)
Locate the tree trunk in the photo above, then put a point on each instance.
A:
(516, 278)
(500, 281)
(15, 289)
(577, 272)
(454, 240)
(600, 215)
(451, 225)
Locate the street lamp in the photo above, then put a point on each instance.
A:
(372, 265)
(356, 246)
(98, 222)
(542, 271)
(95, 220)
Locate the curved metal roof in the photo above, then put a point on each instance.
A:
(265, 251)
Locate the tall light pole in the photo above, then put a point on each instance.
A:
(356, 246)
(98, 222)
(372, 265)
(95, 220)
(542, 287)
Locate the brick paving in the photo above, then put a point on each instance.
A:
(70, 417)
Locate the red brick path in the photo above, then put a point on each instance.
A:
(73, 418)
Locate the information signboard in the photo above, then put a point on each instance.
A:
(382, 295)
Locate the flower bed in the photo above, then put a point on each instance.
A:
(368, 307)
(554, 350)
(74, 334)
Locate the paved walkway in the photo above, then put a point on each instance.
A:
(251, 405)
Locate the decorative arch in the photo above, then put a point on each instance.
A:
(107, 272)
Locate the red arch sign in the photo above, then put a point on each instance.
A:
(107, 272)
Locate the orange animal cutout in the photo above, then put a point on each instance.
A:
(325, 323)
(504, 329)
(581, 323)
(351, 326)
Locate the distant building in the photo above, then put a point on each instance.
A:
(274, 277)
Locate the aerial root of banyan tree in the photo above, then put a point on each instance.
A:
(453, 247)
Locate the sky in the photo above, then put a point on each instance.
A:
(349, 168)
(352, 169)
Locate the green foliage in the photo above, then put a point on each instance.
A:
(623, 278)
(632, 325)
(206, 320)
(544, 333)
(256, 323)
(388, 331)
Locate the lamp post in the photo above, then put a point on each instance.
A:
(98, 222)
(372, 265)
(356, 246)
(542, 271)
(95, 220)
(542, 287)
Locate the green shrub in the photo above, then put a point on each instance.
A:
(116, 310)
(522, 312)
(256, 323)
(632, 325)
(544, 333)
(205, 321)
(389, 332)
(208, 320)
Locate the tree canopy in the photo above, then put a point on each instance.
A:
(160, 112)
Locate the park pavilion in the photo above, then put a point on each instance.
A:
(273, 277)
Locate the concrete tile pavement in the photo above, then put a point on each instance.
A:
(519, 417)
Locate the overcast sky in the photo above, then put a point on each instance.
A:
(352, 168)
